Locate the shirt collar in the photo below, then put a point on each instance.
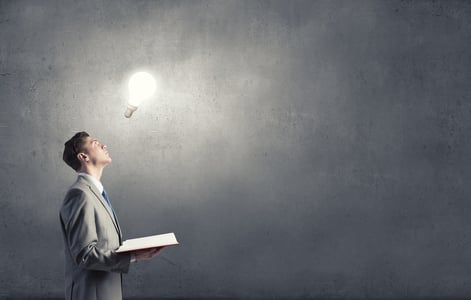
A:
(93, 180)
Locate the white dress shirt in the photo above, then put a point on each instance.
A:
(95, 181)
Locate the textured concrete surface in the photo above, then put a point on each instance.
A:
(298, 149)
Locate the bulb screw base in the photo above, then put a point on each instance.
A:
(130, 110)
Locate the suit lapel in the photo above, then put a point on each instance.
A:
(119, 228)
(102, 200)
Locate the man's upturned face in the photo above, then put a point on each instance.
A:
(96, 152)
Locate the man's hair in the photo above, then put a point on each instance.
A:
(72, 148)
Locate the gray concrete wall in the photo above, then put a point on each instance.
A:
(298, 149)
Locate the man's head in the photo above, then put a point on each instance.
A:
(84, 151)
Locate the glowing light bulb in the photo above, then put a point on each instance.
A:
(141, 86)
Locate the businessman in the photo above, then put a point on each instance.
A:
(93, 270)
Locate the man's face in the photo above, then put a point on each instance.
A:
(96, 152)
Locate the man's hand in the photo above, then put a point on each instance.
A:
(146, 253)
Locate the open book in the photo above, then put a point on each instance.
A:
(153, 241)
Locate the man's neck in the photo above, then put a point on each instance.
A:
(95, 172)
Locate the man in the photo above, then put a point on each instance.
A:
(93, 270)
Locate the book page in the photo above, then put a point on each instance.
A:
(153, 241)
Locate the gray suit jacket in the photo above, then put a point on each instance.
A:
(91, 234)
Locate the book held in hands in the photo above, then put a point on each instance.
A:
(153, 241)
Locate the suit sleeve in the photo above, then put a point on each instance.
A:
(78, 222)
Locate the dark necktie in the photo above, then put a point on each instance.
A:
(105, 195)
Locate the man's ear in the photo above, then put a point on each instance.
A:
(82, 157)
